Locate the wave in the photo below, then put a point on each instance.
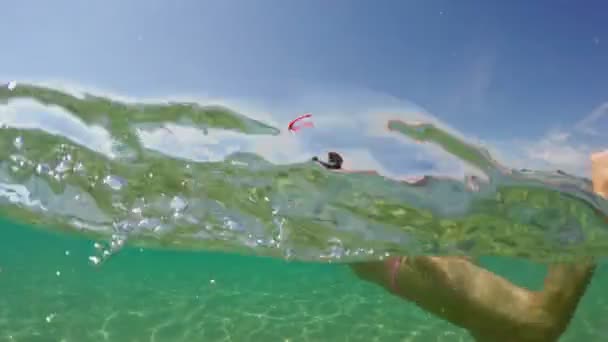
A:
(129, 173)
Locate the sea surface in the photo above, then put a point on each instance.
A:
(116, 229)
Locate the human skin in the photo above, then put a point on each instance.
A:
(599, 172)
(489, 306)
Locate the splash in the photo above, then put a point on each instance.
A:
(117, 172)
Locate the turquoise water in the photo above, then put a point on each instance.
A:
(143, 295)
(122, 206)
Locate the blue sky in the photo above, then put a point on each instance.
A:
(512, 73)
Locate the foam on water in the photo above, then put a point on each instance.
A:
(193, 176)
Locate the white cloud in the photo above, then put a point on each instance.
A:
(589, 124)
(27, 114)
(567, 150)
(557, 151)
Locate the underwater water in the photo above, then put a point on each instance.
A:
(51, 293)
(112, 222)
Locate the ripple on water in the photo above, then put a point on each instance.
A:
(72, 168)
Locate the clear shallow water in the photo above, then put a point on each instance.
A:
(122, 171)
(156, 295)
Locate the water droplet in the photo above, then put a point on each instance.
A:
(212, 281)
(11, 85)
(67, 253)
(58, 273)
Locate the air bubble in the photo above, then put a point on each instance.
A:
(79, 167)
(42, 169)
(116, 243)
(95, 260)
(62, 167)
(18, 142)
(178, 204)
(49, 318)
(114, 182)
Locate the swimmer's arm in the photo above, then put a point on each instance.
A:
(542, 315)
(462, 292)
(484, 303)
(599, 173)
(565, 285)
(332, 168)
(322, 163)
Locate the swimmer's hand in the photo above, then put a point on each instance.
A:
(315, 158)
